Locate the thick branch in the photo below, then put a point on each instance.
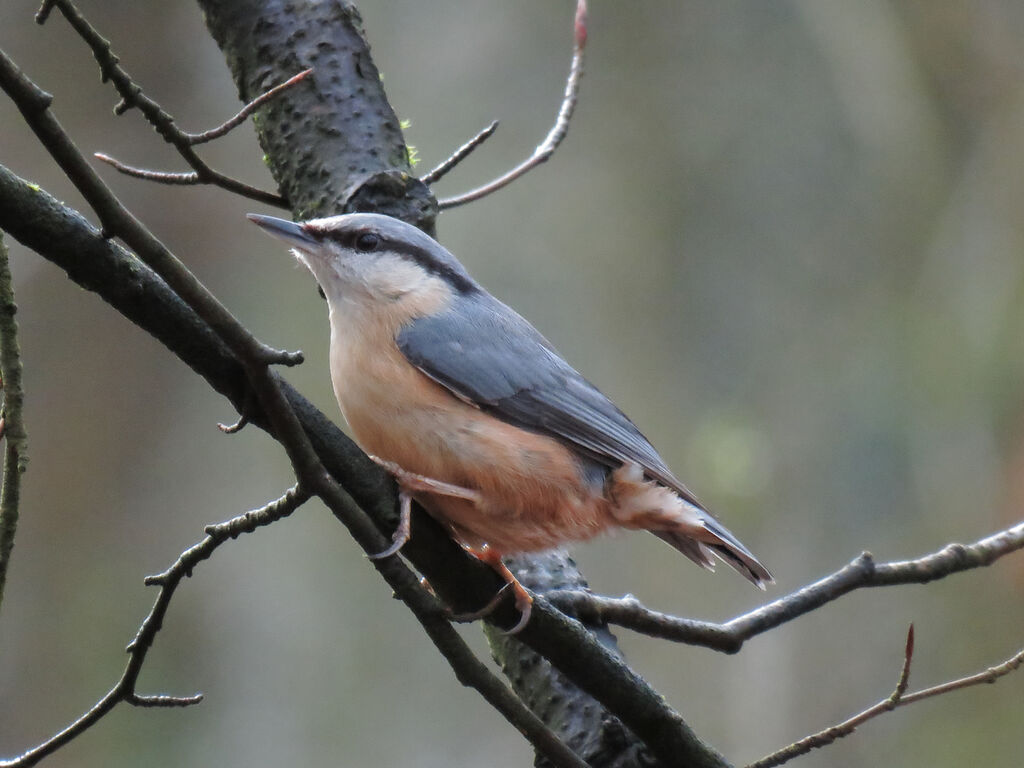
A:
(335, 145)
(12, 428)
(862, 572)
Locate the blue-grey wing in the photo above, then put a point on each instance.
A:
(485, 353)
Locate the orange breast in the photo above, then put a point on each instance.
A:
(534, 493)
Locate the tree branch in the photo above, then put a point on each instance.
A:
(138, 648)
(132, 95)
(729, 636)
(12, 428)
(459, 155)
(118, 221)
(192, 178)
(897, 698)
(558, 131)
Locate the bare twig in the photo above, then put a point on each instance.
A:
(845, 728)
(183, 178)
(861, 572)
(244, 112)
(12, 429)
(168, 581)
(132, 95)
(192, 178)
(989, 675)
(558, 131)
(244, 414)
(897, 698)
(233, 429)
(460, 154)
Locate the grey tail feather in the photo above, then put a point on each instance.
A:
(715, 538)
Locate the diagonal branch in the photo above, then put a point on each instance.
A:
(460, 154)
(138, 648)
(191, 178)
(132, 95)
(729, 636)
(12, 428)
(558, 131)
(229, 125)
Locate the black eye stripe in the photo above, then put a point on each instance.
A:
(352, 238)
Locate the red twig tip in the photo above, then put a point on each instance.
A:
(909, 652)
(581, 23)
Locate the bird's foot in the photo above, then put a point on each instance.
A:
(409, 482)
(524, 600)
(403, 531)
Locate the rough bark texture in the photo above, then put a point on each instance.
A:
(333, 144)
(579, 720)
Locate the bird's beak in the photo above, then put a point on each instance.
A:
(293, 234)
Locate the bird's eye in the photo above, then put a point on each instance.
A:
(367, 242)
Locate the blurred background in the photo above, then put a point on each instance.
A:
(787, 238)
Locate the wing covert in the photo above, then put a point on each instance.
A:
(483, 352)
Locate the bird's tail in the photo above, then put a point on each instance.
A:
(643, 503)
(710, 539)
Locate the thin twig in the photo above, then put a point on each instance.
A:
(459, 155)
(183, 178)
(132, 95)
(729, 636)
(12, 428)
(898, 698)
(191, 178)
(989, 675)
(138, 648)
(558, 130)
(244, 112)
(845, 728)
(234, 429)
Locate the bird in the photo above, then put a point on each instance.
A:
(476, 415)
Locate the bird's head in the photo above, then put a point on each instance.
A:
(368, 260)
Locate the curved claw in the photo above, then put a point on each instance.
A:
(525, 610)
(402, 532)
(524, 600)
(487, 610)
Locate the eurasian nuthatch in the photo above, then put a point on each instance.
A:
(476, 414)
